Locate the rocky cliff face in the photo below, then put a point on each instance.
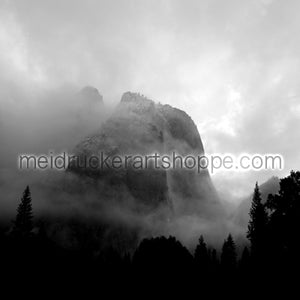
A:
(139, 126)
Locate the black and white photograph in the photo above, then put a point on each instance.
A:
(150, 146)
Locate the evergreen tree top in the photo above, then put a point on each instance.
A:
(23, 224)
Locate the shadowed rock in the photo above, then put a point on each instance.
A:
(139, 126)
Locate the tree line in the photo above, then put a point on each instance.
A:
(273, 250)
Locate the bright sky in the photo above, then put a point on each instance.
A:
(233, 66)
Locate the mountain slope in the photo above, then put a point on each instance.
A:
(139, 126)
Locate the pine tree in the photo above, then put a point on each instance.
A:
(23, 224)
(201, 254)
(228, 255)
(257, 224)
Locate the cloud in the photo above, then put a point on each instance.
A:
(233, 66)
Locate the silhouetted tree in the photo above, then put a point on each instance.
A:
(23, 224)
(228, 255)
(201, 255)
(258, 224)
(284, 229)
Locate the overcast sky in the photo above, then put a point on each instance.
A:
(233, 66)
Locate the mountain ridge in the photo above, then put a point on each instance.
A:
(141, 126)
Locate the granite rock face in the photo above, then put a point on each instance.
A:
(139, 126)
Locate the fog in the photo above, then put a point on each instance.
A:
(232, 66)
(58, 120)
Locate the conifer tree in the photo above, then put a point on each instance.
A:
(258, 224)
(202, 256)
(228, 255)
(23, 224)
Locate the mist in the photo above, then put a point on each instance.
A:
(57, 120)
(234, 68)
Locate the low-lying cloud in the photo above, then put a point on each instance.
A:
(232, 66)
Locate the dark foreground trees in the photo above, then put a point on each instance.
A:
(273, 234)
(284, 222)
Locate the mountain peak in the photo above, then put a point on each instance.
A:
(135, 97)
(90, 93)
(139, 126)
